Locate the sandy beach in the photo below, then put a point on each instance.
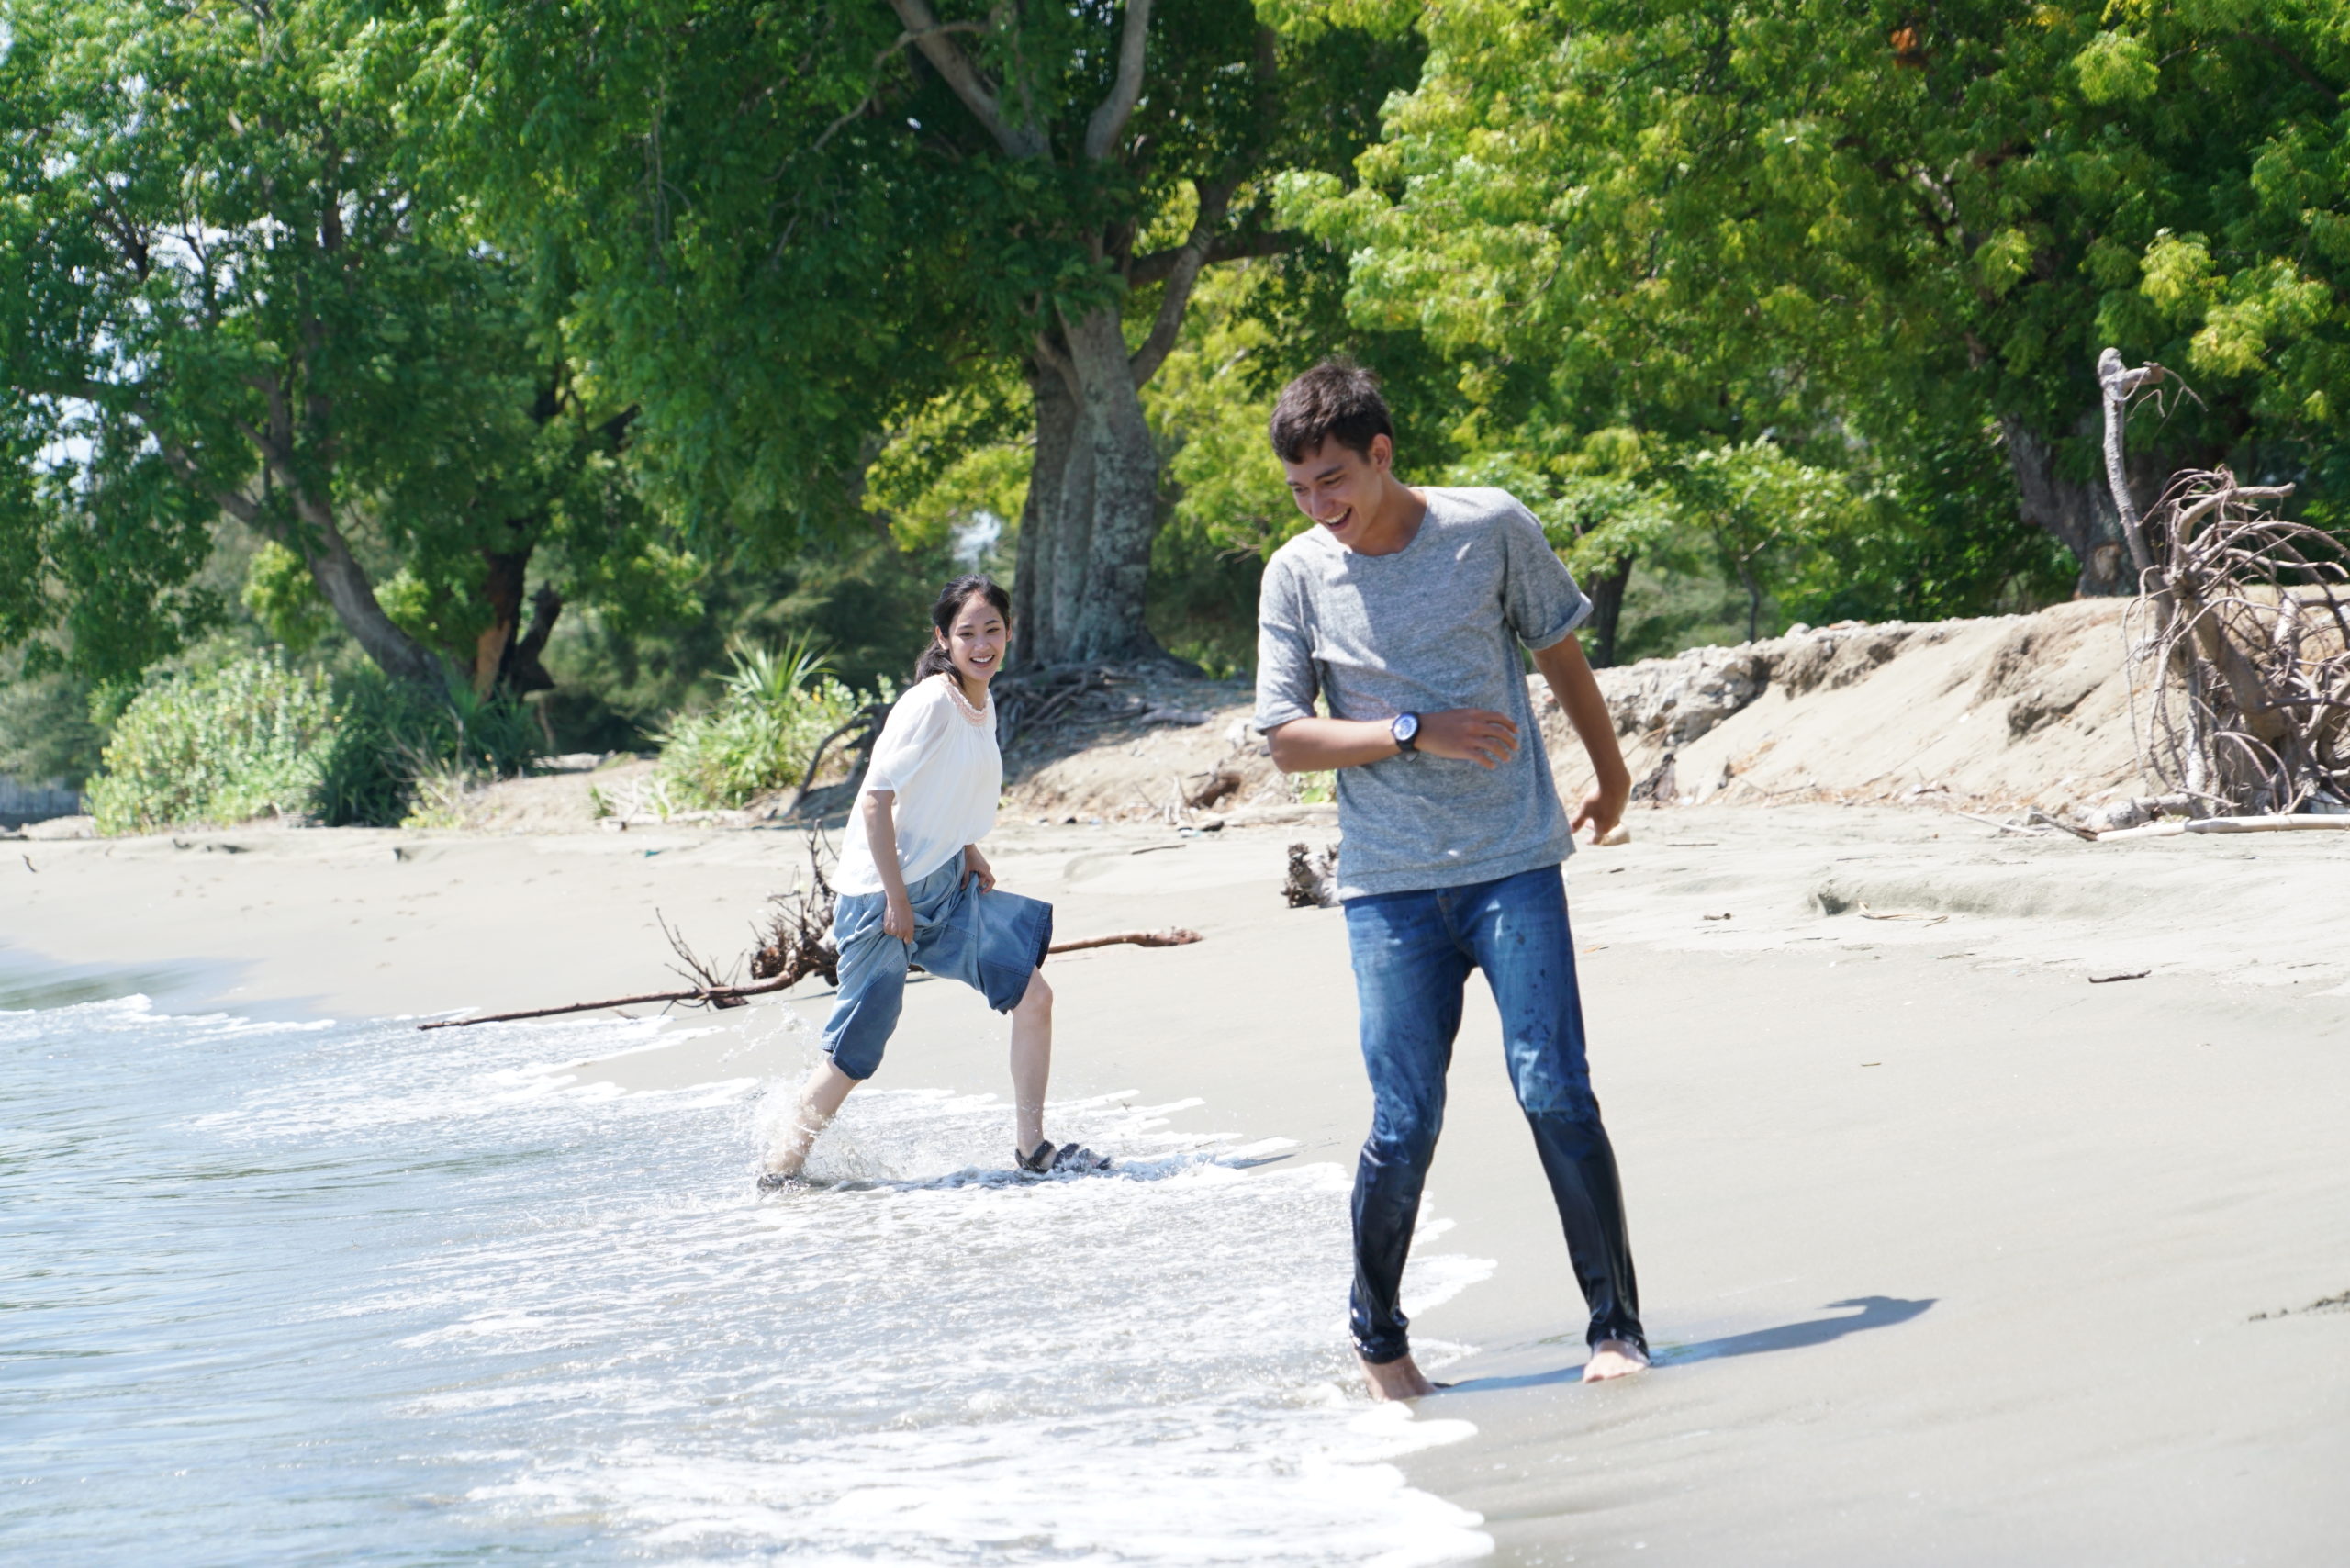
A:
(1951, 1255)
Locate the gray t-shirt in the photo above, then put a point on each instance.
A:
(1434, 626)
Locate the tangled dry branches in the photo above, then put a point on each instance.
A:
(2244, 628)
(798, 941)
(1313, 880)
(2240, 636)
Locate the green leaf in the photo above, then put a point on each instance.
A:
(2117, 67)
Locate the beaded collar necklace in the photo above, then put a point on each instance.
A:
(955, 690)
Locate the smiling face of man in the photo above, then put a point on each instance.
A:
(1346, 492)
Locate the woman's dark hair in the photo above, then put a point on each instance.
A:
(947, 607)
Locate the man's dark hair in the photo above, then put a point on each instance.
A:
(1337, 400)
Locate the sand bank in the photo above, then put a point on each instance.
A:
(1954, 1256)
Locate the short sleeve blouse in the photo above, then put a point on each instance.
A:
(938, 755)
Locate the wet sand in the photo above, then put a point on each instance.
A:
(1953, 1256)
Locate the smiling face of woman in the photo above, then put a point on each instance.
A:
(975, 641)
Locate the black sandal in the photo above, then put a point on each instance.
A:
(1045, 1159)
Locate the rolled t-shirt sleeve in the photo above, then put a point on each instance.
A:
(1286, 683)
(1539, 598)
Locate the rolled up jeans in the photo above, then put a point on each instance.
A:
(992, 941)
(1413, 952)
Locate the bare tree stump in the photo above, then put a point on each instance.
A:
(2240, 636)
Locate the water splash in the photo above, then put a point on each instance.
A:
(319, 1292)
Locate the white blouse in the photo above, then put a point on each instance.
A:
(937, 753)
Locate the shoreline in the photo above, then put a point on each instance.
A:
(2058, 1206)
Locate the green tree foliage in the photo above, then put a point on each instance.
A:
(227, 284)
(1758, 507)
(46, 730)
(1225, 504)
(792, 232)
(280, 597)
(1872, 233)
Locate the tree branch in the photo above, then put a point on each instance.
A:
(2293, 63)
(1182, 275)
(1158, 265)
(239, 506)
(947, 58)
(1054, 360)
(1109, 121)
(871, 97)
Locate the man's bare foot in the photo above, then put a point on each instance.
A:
(1398, 1378)
(1614, 1358)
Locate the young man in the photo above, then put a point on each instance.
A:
(1404, 610)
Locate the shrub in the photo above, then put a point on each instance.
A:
(775, 707)
(253, 738)
(221, 745)
(393, 739)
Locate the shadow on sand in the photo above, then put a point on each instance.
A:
(1875, 1312)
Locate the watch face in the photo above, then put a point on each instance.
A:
(1407, 728)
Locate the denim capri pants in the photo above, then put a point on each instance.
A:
(990, 941)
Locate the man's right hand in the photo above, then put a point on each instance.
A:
(898, 916)
(1468, 734)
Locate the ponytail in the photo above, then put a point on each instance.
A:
(942, 612)
(933, 661)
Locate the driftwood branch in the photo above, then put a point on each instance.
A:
(796, 945)
(704, 996)
(1214, 787)
(691, 966)
(723, 996)
(2232, 825)
(2240, 672)
(1173, 936)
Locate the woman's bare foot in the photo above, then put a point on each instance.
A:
(1398, 1378)
(1614, 1358)
(785, 1162)
(820, 1102)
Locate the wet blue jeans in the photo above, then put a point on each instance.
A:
(1413, 952)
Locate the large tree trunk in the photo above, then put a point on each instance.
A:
(1032, 597)
(1109, 624)
(501, 586)
(2080, 512)
(1092, 505)
(505, 655)
(523, 671)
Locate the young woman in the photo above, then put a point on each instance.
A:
(915, 890)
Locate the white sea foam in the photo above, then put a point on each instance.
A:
(567, 1302)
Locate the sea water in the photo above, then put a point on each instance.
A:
(329, 1293)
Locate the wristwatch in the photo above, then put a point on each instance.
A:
(1407, 731)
